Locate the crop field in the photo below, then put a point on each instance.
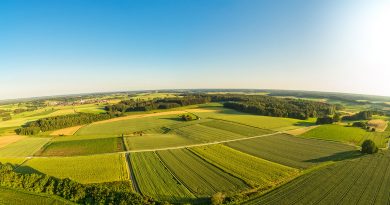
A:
(67, 131)
(202, 178)
(236, 128)
(379, 124)
(83, 169)
(156, 141)
(128, 126)
(82, 147)
(263, 122)
(81, 137)
(203, 133)
(365, 180)
(23, 148)
(6, 140)
(294, 151)
(155, 180)
(353, 135)
(256, 172)
(20, 197)
(12, 160)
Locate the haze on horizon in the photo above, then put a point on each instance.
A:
(70, 46)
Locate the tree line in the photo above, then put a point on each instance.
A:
(70, 190)
(59, 122)
(362, 115)
(276, 107)
(147, 105)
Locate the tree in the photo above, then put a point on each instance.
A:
(336, 117)
(324, 120)
(217, 198)
(369, 147)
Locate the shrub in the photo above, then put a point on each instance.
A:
(369, 147)
(324, 120)
(217, 198)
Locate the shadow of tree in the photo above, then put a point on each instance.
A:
(304, 124)
(337, 156)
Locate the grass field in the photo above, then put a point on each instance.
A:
(263, 122)
(294, 151)
(256, 172)
(202, 178)
(12, 160)
(20, 197)
(203, 133)
(83, 169)
(23, 148)
(128, 126)
(67, 131)
(153, 179)
(6, 140)
(82, 147)
(236, 128)
(156, 141)
(365, 180)
(353, 135)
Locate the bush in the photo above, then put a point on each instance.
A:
(217, 198)
(369, 147)
(324, 120)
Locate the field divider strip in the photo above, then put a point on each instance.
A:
(131, 174)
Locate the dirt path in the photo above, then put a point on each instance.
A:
(131, 174)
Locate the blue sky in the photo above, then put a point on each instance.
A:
(73, 46)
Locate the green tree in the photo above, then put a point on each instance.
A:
(369, 147)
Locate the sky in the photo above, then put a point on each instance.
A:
(72, 46)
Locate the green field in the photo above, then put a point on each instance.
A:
(23, 148)
(203, 133)
(12, 160)
(263, 122)
(241, 129)
(353, 135)
(154, 179)
(82, 147)
(256, 172)
(83, 169)
(294, 151)
(365, 180)
(128, 126)
(200, 177)
(156, 141)
(20, 197)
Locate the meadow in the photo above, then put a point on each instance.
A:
(256, 172)
(200, 177)
(365, 180)
(203, 133)
(241, 129)
(23, 148)
(156, 141)
(153, 179)
(352, 135)
(82, 147)
(83, 169)
(20, 197)
(294, 151)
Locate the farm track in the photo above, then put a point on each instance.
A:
(131, 174)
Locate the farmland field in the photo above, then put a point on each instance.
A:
(83, 169)
(236, 128)
(365, 180)
(256, 172)
(6, 140)
(153, 179)
(293, 151)
(353, 135)
(82, 147)
(127, 126)
(23, 148)
(201, 177)
(20, 197)
(263, 122)
(203, 133)
(156, 141)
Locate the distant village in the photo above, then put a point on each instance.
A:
(77, 102)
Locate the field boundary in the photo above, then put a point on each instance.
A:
(131, 173)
